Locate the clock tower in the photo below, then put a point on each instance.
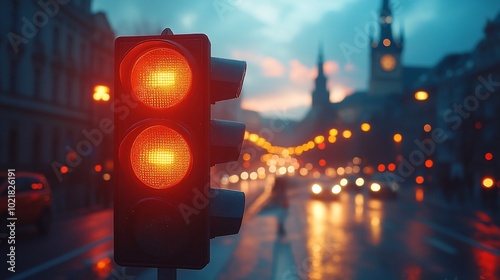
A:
(386, 71)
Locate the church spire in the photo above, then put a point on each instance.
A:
(320, 95)
(385, 22)
(320, 60)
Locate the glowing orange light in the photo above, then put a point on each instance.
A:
(98, 168)
(106, 176)
(103, 268)
(161, 77)
(421, 95)
(429, 163)
(391, 167)
(365, 127)
(419, 195)
(347, 134)
(488, 156)
(160, 157)
(488, 182)
(427, 128)
(398, 138)
(386, 42)
(321, 146)
(419, 180)
(64, 169)
(319, 139)
(368, 170)
(381, 167)
(246, 157)
(101, 93)
(322, 162)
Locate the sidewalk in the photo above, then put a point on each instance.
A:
(470, 205)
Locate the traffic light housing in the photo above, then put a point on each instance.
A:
(165, 144)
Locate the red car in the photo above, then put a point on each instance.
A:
(31, 199)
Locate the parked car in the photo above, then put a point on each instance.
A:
(325, 191)
(381, 186)
(32, 199)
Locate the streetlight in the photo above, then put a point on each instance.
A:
(398, 138)
(101, 93)
(365, 127)
(421, 95)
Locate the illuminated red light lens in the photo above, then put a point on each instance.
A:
(161, 77)
(160, 157)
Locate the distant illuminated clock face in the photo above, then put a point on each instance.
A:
(388, 62)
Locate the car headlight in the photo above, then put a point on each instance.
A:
(336, 189)
(316, 189)
(344, 182)
(375, 187)
(360, 182)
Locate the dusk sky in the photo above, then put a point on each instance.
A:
(279, 39)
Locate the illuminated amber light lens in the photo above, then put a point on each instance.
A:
(161, 78)
(421, 95)
(160, 157)
(488, 182)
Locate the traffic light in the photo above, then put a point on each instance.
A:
(165, 143)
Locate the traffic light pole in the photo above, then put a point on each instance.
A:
(167, 274)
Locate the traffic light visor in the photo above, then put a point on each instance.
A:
(159, 74)
(160, 157)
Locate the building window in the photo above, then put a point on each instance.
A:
(55, 84)
(13, 75)
(55, 144)
(83, 55)
(37, 139)
(69, 48)
(69, 89)
(55, 40)
(37, 82)
(13, 145)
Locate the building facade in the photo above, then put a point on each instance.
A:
(53, 53)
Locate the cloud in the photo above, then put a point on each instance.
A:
(338, 91)
(279, 101)
(299, 73)
(331, 68)
(269, 66)
(284, 19)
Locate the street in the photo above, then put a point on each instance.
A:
(356, 237)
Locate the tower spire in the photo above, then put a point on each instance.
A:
(320, 95)
(385, 22)
(320, 60)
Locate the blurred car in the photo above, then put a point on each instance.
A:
(32, 199)
(380, 186)
(352, 183)
(324, 191)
